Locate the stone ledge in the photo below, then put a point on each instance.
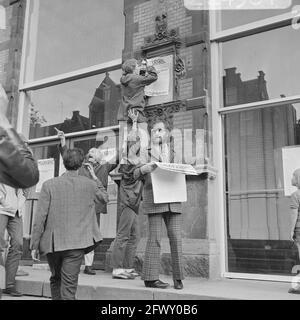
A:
(103, 287)
(199, 258)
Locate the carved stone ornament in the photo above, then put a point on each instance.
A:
(165, 110)
(161, 31)
(179, 67)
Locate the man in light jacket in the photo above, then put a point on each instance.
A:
(65, 226)
(11, 203)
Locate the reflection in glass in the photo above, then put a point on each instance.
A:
(75, 106)
(72, 34)
(235, 18)
(262, 66)
(258, 212)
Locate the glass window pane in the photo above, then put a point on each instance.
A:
(72, 34)
(257, 68)
(235, 18)
(79, 105)
(188, 136)
(258, 207)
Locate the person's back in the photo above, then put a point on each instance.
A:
(66, 217)
(132, 86)
(71, 218)
(65, 226)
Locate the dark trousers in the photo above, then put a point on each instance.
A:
(126, 241)
(65, 268)
(14, 227)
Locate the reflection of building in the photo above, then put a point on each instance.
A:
(105, 103)
(103, 109)
(237, 91)
(74, 124)
(253, 144)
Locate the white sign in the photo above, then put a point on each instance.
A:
(46, 169)
(178, 167)
(168, 186)
(163, 66)
(290, 162)
(2, 18)
(62, 168)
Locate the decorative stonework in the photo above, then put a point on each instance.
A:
(165, 109)
(162, 34)
(166, 41)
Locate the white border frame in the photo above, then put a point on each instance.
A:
(216, 39)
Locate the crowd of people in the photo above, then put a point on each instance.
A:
(66, 227)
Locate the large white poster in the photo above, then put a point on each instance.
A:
(290, 162)
(161, 86)
(46, 169)
(168, 186)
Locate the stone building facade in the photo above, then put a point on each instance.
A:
(11, 40)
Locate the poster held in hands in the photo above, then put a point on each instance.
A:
(169, 183)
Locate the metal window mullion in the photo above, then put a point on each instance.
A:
(71, 76)
(253, 28)
(21, 103)
(260, 104)
(74, 134)
(218, 153)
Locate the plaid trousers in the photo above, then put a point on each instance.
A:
(151, 264)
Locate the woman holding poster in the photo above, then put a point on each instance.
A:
(170, 213)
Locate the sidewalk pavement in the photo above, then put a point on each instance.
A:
(103, 287)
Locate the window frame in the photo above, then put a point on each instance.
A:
(218, 113)
(55, 80)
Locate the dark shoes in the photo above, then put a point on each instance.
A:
(12, 291)
(178, 284)
(89, 270)
(294, 291)
(156, 284)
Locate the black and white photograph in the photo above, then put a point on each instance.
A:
(149, 153)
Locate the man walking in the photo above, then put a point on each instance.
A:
(65, 226)
(102, 168)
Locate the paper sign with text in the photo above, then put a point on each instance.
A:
(163, 66)
(168, 186)
(290, 162)
(177, 167)
(46, 169)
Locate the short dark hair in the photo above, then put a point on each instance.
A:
(73, 158)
